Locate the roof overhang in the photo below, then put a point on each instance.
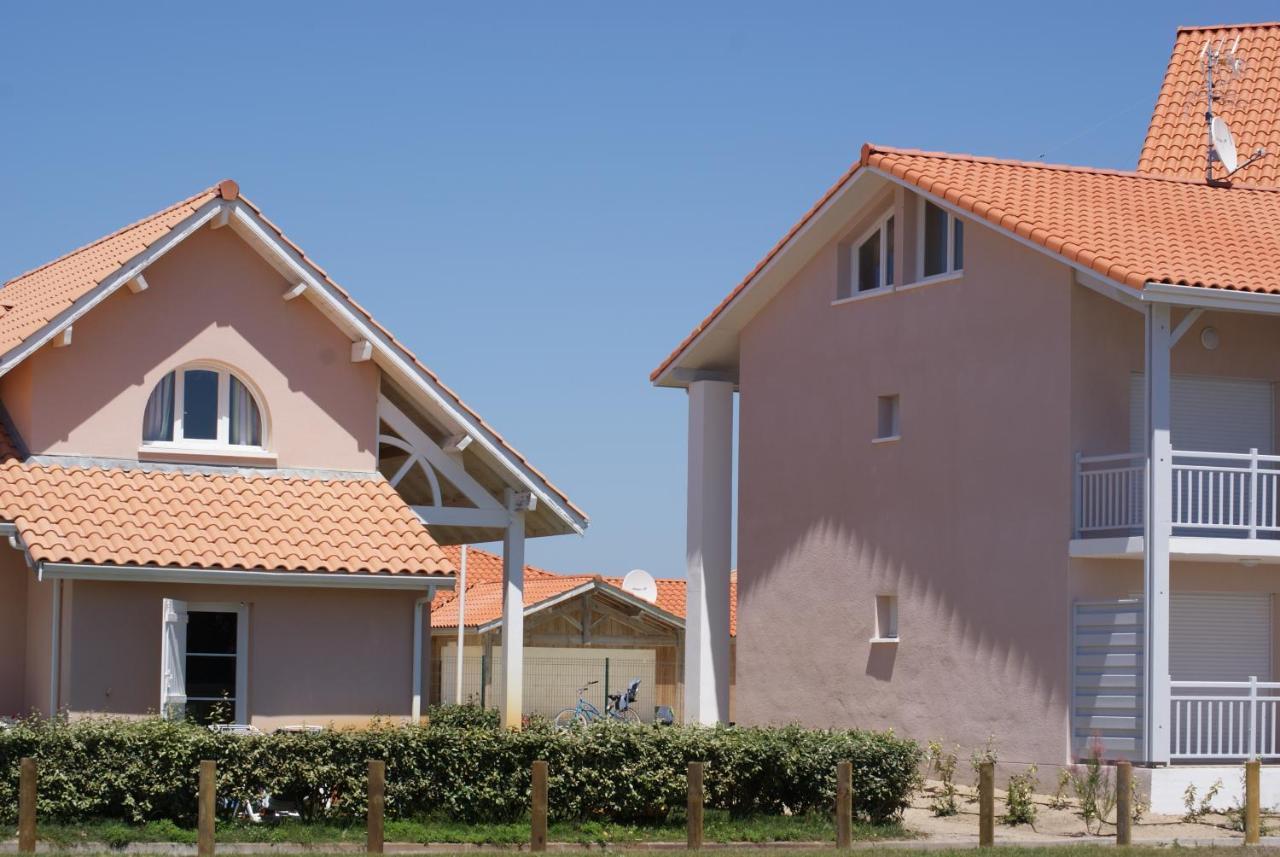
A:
(593, 586)
(240, 577)
(390, 356)
(1227, 300)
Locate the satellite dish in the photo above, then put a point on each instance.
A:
(641, 584)
(1224, 145)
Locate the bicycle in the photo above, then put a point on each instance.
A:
(617, 706)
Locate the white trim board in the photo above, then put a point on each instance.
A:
(238, 577)
(1187, 548)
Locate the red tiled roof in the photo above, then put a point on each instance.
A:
(197, 519)
(1176, 141)
(484, 591)
(30, 301)
(1130, 227)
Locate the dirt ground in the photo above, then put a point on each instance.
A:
(1054, 823)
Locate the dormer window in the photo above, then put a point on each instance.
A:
(201, 406)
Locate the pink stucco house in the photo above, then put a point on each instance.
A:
(225, 487)
(1007, 448)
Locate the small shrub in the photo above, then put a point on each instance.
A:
(1020, 807)
(943, 765)
(1196, 810)
(1060, 799)
(1091, 783)
(980, 755)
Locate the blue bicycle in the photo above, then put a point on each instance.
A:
(617, 706)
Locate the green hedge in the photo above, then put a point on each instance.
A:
(142, 770)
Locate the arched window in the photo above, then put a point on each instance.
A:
(202, 405)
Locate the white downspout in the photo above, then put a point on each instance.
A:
(462, 623)
(415, 713)
(55, 648)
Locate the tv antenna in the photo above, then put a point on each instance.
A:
(1226, 62)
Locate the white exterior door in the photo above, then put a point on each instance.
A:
(1220, 636)
(1210, 414)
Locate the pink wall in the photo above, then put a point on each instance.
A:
(965, 519)
(13, 632)
(319, 656)
(211, 298)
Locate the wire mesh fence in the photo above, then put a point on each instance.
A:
(553, 678)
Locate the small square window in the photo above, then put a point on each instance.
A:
(886, 618)
(887, 417)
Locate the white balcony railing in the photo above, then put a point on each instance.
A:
(1230, 493)
(1224, 719)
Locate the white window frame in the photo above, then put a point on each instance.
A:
(221, 443)
(886, 619)
(952, 270)
(855, 269)
(241, 610)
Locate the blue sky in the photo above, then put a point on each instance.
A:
(542, 199)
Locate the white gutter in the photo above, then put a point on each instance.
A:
(307, 579)
(1210, 298)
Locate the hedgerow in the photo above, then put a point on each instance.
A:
(145, 770)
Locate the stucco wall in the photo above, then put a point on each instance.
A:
(13, 631)
(965, 519)
(212, 298)
(315, 655)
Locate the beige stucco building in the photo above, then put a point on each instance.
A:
(224, 485)
(1007, 452)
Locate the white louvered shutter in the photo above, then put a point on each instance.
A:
(1210, 414)
(1220, 636)
(173, 659)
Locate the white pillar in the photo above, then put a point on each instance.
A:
(707, 554)
(513, 617)
(421, 684)
(1158, 526)
(462, 627)
(55, 647)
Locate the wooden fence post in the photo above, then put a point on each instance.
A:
(1252, 801)
(27, 806)
(377, 806)
(538, 823)
(694, 839)
(986, 804)
(844, 805)
(1124, 803)
(205, 808)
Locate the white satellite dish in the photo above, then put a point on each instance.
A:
(1224, 145)
(641, 584)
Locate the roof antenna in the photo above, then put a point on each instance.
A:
(1222, 145)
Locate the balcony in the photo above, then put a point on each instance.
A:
(1220, 720)
(1226, 505)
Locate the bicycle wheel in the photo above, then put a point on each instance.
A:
(569, 718)
(627, 716)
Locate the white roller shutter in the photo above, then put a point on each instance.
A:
(1210, 414)
(1220, 636)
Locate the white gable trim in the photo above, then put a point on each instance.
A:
(590, 586)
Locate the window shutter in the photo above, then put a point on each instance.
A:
(173, 655)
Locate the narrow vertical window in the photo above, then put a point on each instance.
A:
(211, 666)
(887, 417)
(157, 421)
(872, 265)
(888, 252)
(886, 618)
(957, 251)
(942, 242)
(200, 404)
(869, 263)
(246, 422)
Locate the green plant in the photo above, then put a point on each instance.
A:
(1091, 783)
(943, 765)
(1198, 809)
(980, 755)
(464, 717)
(137, 771)
(1020, 807)
(1060, 799)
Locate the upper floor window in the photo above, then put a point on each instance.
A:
(872, 263)
(202, 405)
(942, 241)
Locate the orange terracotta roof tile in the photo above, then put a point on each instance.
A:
(1176, 141)
(30, 301)
(215, 520)
(1130, 227)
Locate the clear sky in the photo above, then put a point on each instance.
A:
(542, 199)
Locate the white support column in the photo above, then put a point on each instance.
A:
(513, 616)
(1158, 526)
(708, 551)
(462, 629)
(422, 605)
(55, 648)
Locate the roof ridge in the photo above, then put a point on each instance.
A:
(1192, 28)
(869, 149)
(108, 237)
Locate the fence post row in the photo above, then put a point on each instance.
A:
(205, 808)
(27, 806)
(844, 805)
(1124, 803)
(694, 811)
(986, 804)
(538, 819)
